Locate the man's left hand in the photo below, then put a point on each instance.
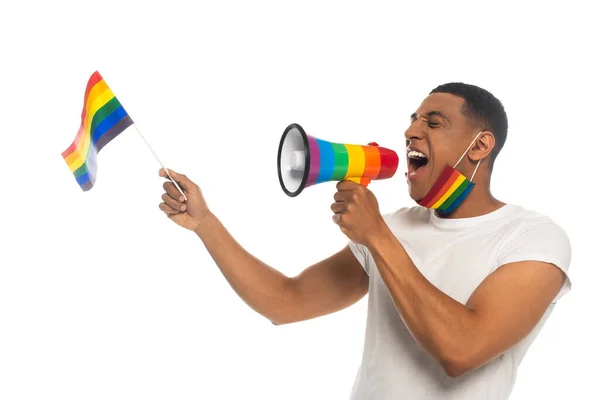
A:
(357, 212)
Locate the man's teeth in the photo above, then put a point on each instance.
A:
(415, 154)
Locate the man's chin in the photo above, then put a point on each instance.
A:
(417, 199)
(416, 195)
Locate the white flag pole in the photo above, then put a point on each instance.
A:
(160, 162)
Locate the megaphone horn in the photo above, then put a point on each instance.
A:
(303, 161)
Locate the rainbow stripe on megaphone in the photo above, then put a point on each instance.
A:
(337, 162)
(328, 161)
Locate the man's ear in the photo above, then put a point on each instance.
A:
(483, 146)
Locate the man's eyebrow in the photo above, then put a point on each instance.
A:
(440, 114)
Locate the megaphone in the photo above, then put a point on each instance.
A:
(303, 161)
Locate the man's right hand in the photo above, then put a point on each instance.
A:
(188, 214)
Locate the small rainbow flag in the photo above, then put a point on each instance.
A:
(448, 192)
(102, 119)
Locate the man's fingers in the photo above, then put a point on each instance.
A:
(338, 196)
(336, 218)
(171, 202)
(183, 181)
(167, 209)
(172, 191)
(346, 185)
(338, 207)
(343, 195)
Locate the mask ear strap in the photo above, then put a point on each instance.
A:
(466, 151)
(477, 166)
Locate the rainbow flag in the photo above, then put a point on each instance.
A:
(102, 119)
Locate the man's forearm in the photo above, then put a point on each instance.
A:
(440, 324)
(259, 285)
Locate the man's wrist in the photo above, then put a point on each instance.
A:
(381, 239)
(204, 222)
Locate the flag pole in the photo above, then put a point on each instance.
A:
(160, 162)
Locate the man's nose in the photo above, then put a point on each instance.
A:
(414, 131)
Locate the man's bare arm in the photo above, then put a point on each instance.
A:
(325, 287)
(501, 312)
(503, 309)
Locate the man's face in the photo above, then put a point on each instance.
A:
(437, 136)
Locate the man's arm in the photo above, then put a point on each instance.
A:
(501, 312)
(327, 286)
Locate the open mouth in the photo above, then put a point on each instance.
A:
(416, 162)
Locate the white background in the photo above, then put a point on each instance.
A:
(102, 297)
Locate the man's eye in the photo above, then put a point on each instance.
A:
(433, 124)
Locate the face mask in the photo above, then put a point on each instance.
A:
(450, 189)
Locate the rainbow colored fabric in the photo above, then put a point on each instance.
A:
(448, 192)
(361, 164)
(102, 119)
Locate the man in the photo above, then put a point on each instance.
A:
(459, 285)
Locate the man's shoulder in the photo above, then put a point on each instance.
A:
(535, 235)
(526, 219)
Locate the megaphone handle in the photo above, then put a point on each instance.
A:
(361, 181)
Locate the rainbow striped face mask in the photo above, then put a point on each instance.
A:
(450, 189)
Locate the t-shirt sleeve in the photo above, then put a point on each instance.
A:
(362, 255)
(545, 242)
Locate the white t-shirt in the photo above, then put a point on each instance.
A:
(455, 255)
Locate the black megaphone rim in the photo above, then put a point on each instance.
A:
(306, 160)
